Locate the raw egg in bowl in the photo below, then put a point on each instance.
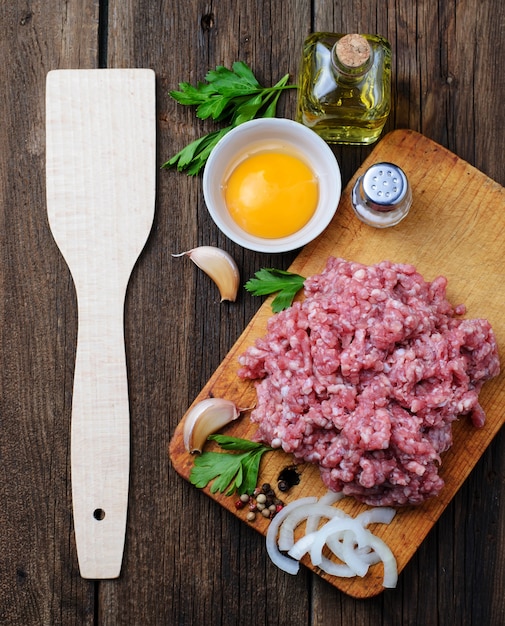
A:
(272, 185)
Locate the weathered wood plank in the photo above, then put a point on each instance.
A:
(39, 578)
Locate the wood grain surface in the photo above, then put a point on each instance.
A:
(457, 248)
(188, 561)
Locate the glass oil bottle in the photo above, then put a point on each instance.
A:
(344, 87)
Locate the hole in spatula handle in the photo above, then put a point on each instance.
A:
(99, 514)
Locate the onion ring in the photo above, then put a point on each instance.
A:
(347, 538)
(335, 525)
(312, 514)
(285, 563)
(302, 546)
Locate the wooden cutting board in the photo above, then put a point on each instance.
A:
(456, 227)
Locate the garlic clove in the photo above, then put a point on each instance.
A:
(220, 266)
(206, 418)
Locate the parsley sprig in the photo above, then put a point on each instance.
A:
(231, 95)
(270, 280)
(230, 472)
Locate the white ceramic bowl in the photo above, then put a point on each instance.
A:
(281, 133)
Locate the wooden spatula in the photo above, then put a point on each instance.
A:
(100, 178)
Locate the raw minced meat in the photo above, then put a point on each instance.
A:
(365, 376)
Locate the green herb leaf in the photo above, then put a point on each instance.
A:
(235, 443)
(188, 94)
(247, 110)
(250, 467)
(270, 280)
(224, 468)
(229, 480)
(276, 92)
(234, 95)
(212, 107)
(194, 156)
(230, 471)
(244, 71)
(233, 82)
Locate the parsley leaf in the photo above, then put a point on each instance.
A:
(270, 280)
(193, 157)
(231, 95)
(230, 471)
(234, 443)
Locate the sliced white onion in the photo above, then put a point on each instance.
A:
(330, 497)
(377, 515)
(335, 544)
(388, 559)
(303, 545)
(346, 537)
(351, 556)
(336, 569)
(335, 525)
(367, 555)
(283, 562)
(312, 514)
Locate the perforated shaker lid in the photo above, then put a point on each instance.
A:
(384, 186)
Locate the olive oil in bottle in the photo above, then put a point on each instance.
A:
(344, 90)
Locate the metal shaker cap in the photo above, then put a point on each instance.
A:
(382, 196)
(384, 186)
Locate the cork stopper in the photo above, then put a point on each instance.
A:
(353, 51)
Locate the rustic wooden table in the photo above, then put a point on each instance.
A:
(187, 560)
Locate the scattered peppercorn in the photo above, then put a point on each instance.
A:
(263, 500)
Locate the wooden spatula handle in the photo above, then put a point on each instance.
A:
(100, 435)
(101, 187)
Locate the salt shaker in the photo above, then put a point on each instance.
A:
(382, 197)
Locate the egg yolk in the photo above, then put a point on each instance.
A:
(271, 194)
